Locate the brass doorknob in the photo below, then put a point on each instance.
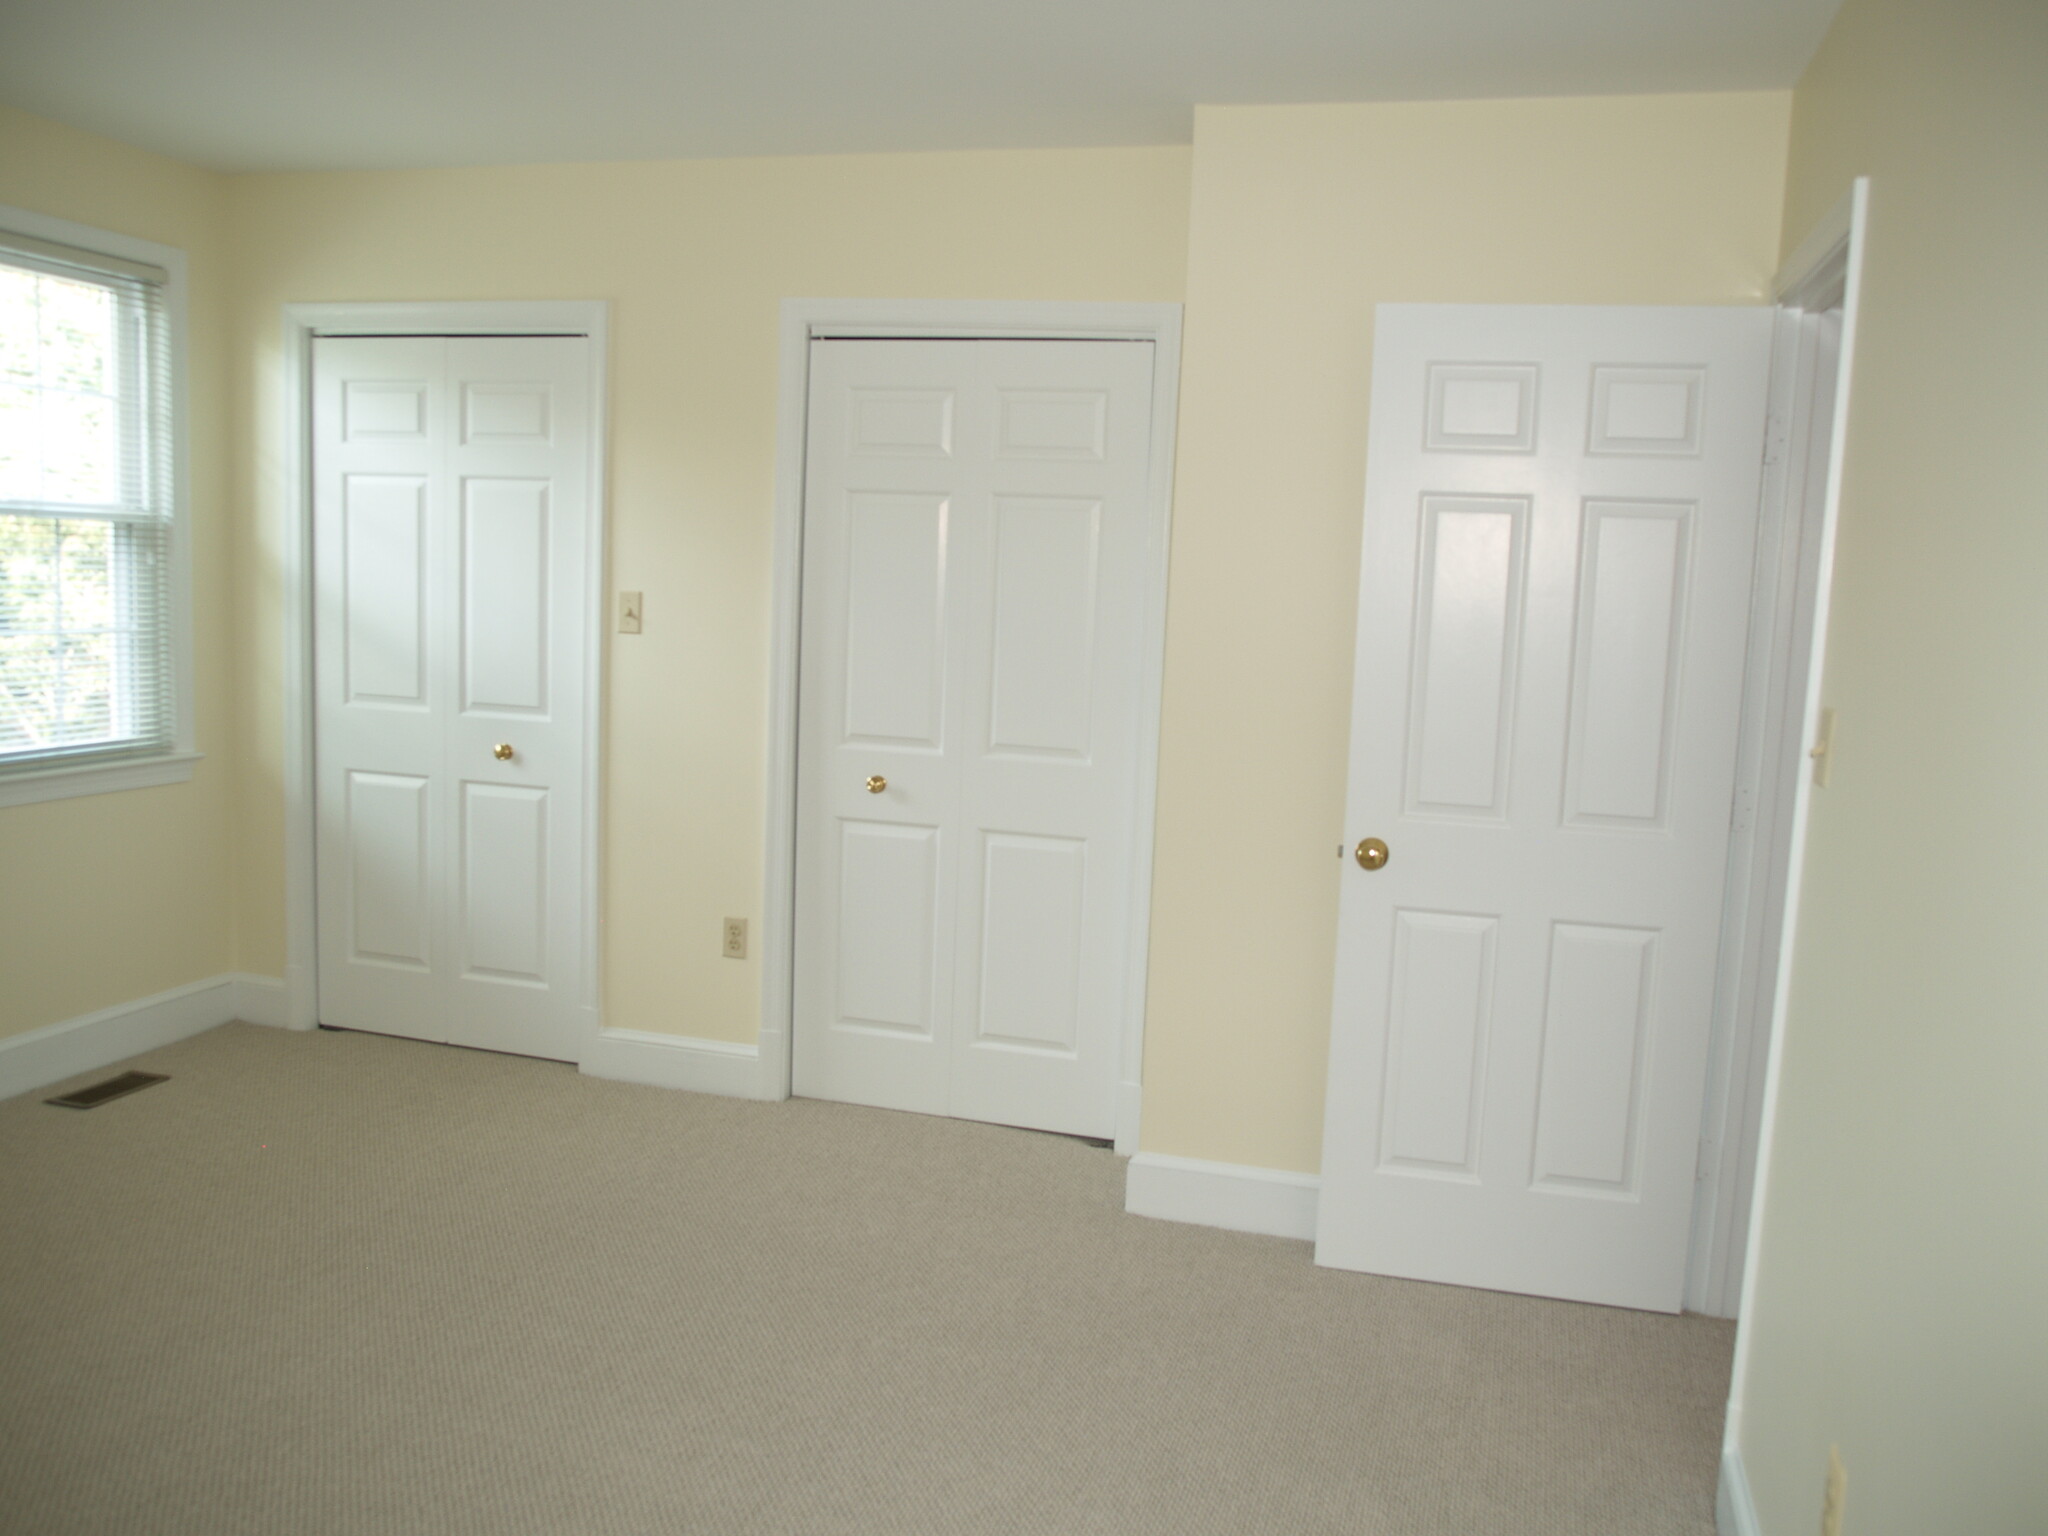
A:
(502, 751)
(1372, 853)
(876, 783)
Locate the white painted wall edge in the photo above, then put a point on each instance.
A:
(96, 1040)
(680, 1061)
(1234, 1196)
(1734, 1509)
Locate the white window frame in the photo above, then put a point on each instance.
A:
(174, 766)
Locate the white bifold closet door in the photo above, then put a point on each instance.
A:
(1560, 513)
(450, 498)
(972, 642)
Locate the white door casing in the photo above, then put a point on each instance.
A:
(975, 532)
(450, 503)
(1560, 515)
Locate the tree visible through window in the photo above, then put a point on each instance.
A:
(84, 509)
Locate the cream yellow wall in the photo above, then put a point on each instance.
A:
(1303, 218)
(1904, 1258)
(695, 257)
(107, 898)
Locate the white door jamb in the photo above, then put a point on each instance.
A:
(1826, 269)
(808, 320)
(1767, 846)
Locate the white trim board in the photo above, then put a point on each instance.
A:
(677, 1061)
(1828, 268)
(261, 1000)
(98, 778)
(302, 323)
(1781, 703)
(1734, 1508)
(1234, 1196)
(91, 1041)
(808, 320)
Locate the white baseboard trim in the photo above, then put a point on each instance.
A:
(261, 1000)
(677, 1061)
(1734, 1509)
(94, 1040)
(1230, 1195)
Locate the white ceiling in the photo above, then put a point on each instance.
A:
(269, 84)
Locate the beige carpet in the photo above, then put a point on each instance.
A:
(325, 1283)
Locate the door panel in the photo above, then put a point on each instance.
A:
(888, 890)
(1031, 942)
(1625, 660)
(384, 543)
(505, 882)
(894, 639)
(449, 511)
(1043, 661)
(974, 535)
(1560, 515)
(388, 861)
(505, 595)
(1437, 1018)
(1468, 635)
(1595, 1039)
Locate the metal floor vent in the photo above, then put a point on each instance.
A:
(112, 1088)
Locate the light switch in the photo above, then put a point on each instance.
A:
(629, 613)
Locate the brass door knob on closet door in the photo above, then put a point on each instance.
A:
(1371, 853)
(876, 783)
(502, 751)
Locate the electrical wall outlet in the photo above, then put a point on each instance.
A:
(1837, 1494)
(735, 938)
(629, 613)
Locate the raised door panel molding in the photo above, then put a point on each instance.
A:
(1043, 661)
(888, 904)
(1467, 643)
(1031, 942)
(895, 652)
(1481, 408)
(505, 536)
(1625, 665)
(1439, 1018)
(383, 601)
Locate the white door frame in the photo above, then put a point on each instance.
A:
(1825, 271)
(1768, 839)
(589, 319)
(808, 320)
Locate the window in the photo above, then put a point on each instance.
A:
(89, 639)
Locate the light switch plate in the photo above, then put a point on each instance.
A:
(629, 613)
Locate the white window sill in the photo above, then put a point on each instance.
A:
(96, 778)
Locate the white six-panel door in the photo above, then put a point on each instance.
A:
(1560, 515)
(974, 546)
(449, 505)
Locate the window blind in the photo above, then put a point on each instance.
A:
(86, 501)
